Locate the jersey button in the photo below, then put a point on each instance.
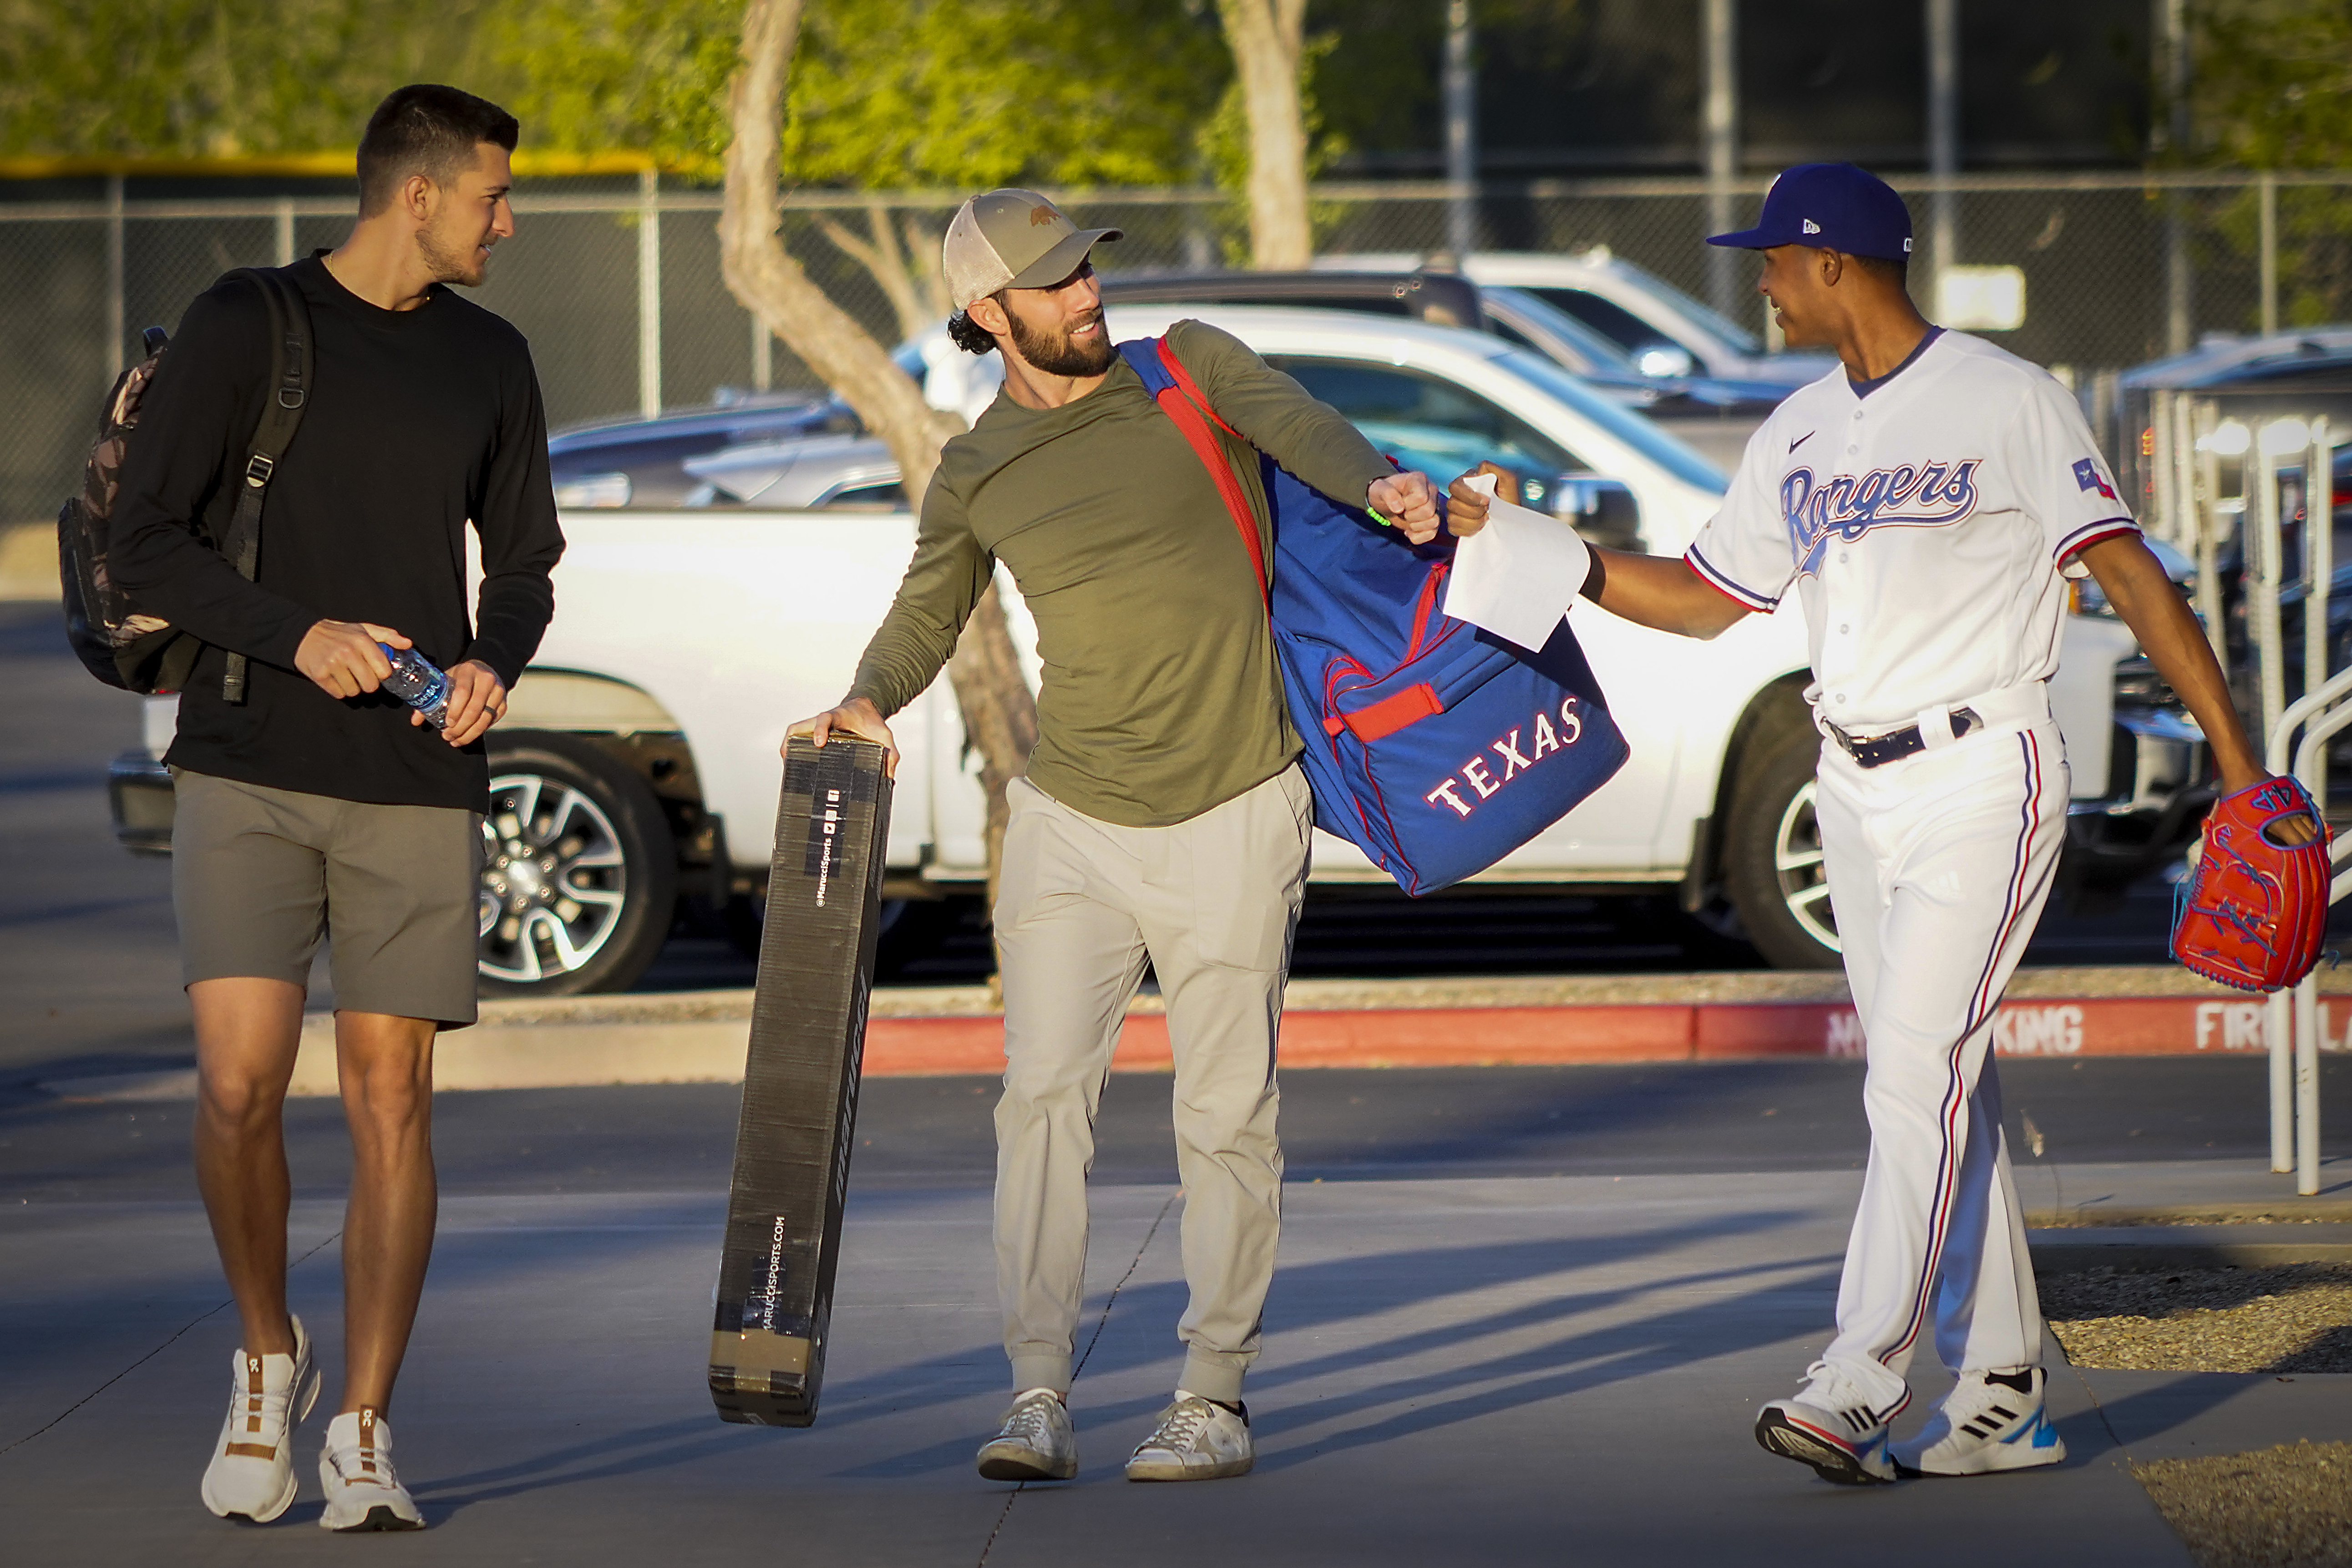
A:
(1844, 630)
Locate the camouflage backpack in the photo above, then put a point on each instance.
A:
(120, 643)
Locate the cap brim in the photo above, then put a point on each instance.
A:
(1062, 260)
(1748, 239)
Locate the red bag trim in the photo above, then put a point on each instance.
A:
(1184, 404)
(1377, 720)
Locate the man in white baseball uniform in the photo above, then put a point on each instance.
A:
(1926, 502)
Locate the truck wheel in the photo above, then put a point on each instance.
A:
(1773, 862)
(578, 875)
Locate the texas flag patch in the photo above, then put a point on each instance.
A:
(2088, 478)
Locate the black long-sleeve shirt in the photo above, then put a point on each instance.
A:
(416, 422)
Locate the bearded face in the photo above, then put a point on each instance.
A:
(1080, 346)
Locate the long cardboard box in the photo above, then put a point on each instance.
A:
(800, 1086)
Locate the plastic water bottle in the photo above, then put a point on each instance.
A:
(419, 682)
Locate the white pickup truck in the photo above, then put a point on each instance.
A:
(639, 762)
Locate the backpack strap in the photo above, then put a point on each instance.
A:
(281, 415)
(1182, 401)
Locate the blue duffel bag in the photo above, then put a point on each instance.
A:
(1436, 747)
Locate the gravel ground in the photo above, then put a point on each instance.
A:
(2289, 1506)
(2295, 1318)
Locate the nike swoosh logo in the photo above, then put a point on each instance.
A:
(1802, 439)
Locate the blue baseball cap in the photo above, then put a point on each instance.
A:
(1833, 206)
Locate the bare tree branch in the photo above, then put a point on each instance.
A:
(999, 715)
(883, 258)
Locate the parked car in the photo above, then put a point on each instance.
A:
(1667, 331)
(650, 463)
(640, 748)
(1713, 415)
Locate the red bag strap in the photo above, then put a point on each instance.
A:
(1185, 404)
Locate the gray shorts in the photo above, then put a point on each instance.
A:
(260, 875)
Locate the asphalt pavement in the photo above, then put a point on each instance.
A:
(1522, 1315)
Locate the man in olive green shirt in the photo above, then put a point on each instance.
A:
(1164, 817)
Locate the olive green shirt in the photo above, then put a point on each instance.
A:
(1160, 696)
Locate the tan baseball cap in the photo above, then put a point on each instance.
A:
(1012, 240)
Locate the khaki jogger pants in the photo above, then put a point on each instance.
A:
(1213, 903)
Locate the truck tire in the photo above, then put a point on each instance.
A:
(580, 873)
(1772, 866)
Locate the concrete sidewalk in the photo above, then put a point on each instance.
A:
(1502, 1370)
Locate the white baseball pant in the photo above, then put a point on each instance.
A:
(1938, 866)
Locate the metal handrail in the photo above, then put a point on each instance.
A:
(2290, 1031)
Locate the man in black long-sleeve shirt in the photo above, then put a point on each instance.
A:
(321, 805)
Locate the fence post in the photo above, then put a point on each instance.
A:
(1942, 20)
(649, 292)
(2158, 469)
(763, 356)
(1720, 130)
(2268, 186)
(285, 231)
(116, 308)
(1461, 133)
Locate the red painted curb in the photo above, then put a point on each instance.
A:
(1491, 1037)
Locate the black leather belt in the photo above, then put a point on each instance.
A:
(1898, 745)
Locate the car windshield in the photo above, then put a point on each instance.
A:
(1538, 311)
(1705, 315)
(1620, 421)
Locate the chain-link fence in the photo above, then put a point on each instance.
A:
(619, 290)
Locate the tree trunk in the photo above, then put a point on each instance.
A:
(1267, 38)
(999, 715)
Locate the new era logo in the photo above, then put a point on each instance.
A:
(1813, 228)
(2088, 478)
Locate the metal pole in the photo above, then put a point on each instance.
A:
(1461, 133)
(2191, 514)
(2158, 467)
(2278, 1039)
(2205, 418)
(285, 231)
(1943, 137)
(1719, 131)
(115, 307)
(2268, 187)
(650, 295)
(763, 355)
(2318, 555)
(2306, 1082)
(2265, 543)
(2172, 136)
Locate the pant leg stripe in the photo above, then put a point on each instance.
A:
(1948, 1165)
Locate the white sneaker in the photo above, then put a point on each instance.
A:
(252, 1473)
(1196, 1440)
(1034, 1443)
(1832, 1426)
(364, 1491)
(1983, 1425)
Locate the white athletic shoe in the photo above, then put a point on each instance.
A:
(1832, 1426)
(364, 1491)
(1034, 1443)
(1983, 1425)
(1196, 1440)
(252, 1473)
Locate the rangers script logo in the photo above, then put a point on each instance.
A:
(1850, 505)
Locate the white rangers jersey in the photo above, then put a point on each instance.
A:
(1924, 518)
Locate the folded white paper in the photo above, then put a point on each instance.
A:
(1518, 575)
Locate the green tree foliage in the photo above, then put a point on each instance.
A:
(2273, 89)
(213, 77)
(885, 94)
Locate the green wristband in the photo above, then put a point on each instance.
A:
(1374, 513)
